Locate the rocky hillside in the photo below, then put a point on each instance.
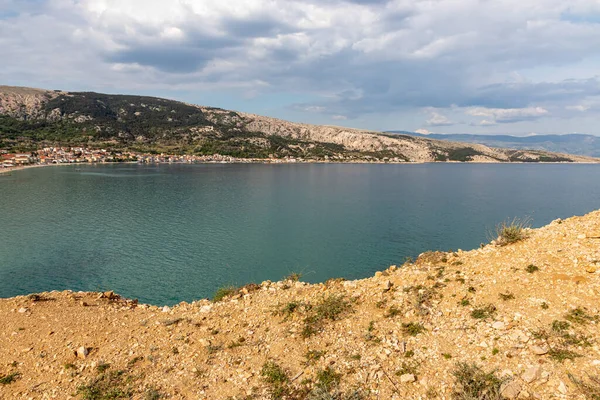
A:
(508, 320)
(574, 143)
(30, 118)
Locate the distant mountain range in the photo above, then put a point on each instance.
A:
(33, 118)
(574, 143)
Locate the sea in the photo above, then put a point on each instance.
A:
(168, 233)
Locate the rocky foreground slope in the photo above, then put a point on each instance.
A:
(514, 321)
(30, 118)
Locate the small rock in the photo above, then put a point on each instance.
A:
(82, 352)
(378, 274)
(510, 390)
(407, 378)
(22, 310)
(166, 309)
(591, 269)
(562, 388)
(581, 236)
(540, 350)
(499, 325)
(532, 374)
(205, 309)
(596, 363)
(387, 286)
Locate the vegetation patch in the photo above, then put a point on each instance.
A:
(422, 297)
(224, 292)
(10, 378)
(512, 231)
(472, 383)
(328, 378)
(562, 354)
(589, 387)
(580, 316)
(413, 328)
(329, 308)
(484, 312)
(109, 385)
(506, 296)
(532, 268)
(393, 311)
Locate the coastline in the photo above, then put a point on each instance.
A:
(278, 161)
(400, 334)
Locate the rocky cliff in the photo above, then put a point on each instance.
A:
(508, 320)
(30, 118)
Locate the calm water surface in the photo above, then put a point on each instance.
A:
(169, 233)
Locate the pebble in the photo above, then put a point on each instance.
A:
(407, 378)
(499, 325)
(387, 286)
(540, 350)
(596, 363)
(562, 388)
(82, 352)
(22, 310)
(532, 374)
(510, 390)
(166, 309)
(205, 309)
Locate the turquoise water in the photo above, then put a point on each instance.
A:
(169, 233)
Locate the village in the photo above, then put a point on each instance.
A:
(76, 155)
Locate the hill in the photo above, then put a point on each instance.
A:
(31, 118)
(514, 321)
(575, 143)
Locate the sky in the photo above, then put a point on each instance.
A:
(446, 66)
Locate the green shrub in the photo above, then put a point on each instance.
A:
(508, 232)
(484, 312)
(472, 383)
(223, 292)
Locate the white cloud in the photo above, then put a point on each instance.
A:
(345, 57)
(423, 131)
(579, 107)
(507, 115)
(437, 119)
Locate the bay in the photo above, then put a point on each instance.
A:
(169, 233)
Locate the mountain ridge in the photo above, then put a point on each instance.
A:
(571, 143)
(30, 118)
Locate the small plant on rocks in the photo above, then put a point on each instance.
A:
(330, 308)
(328, 378)
(508, 232)
(472, 383)
(277, 378)
(532, 268)
(484, 312)
(506, 296)
(110, 385)
(413, 328)
(580, 316)
(10, 378)
(223, 292)
(590, 388)
(393, 311)
(562, 354)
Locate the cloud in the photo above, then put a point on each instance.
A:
(507, 115)
(578, 107)
(437, 119)
(423, 131)
(350, 58)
